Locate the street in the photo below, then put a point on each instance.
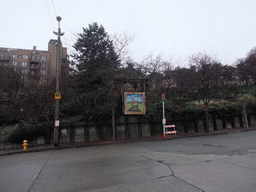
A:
(207, 163)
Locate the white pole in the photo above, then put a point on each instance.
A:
(163, 121)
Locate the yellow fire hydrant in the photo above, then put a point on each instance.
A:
(25, 145)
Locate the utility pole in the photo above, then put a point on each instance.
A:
(57, 94)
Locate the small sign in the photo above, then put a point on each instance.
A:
(57, 95)
(134, 103)
(57, 123)
(164, 121)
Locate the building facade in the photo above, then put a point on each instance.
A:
(35, 66)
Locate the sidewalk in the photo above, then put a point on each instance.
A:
(130, 140)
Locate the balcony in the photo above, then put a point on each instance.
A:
(34, 73)
(5, 58)
(34, 66)
(34, 59)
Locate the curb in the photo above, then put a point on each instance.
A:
(142, 139)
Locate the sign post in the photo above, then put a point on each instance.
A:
(164, 120)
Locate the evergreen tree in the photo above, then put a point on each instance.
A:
(96, 59)
(97, 64)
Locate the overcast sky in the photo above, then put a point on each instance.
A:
(176, 28)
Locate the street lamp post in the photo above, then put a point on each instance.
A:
(164, 120)
(57, 94)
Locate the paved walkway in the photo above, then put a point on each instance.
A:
(140, 139)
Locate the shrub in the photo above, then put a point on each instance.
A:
(27, 132)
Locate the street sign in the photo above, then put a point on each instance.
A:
(164, 121)
(57, 123)
(57, 95)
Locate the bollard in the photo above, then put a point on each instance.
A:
(25, 145)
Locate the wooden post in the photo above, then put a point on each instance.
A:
(224, 125)
(72, 134)
(214, 122)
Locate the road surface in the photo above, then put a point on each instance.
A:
(207, 163)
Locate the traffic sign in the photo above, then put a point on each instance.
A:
(57, 95)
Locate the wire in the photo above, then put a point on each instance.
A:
(50, 18)
(54, 8)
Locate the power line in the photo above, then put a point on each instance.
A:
(54, 8)
(48, 11)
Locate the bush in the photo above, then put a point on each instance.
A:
(27, 132)
(5, 131)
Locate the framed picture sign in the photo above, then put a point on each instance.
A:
(134, 103)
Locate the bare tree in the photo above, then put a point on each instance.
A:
(207, 79)
(246, 68)
(151, 64)
(121, 42)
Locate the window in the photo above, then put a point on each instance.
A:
(14, 63)
(24, 63)
(4, 56)
(43, 58)
(14, 56)
(24, 77)
(43, 72)
(35, 58)
(43, 79)
(24, 71)
(24, 56)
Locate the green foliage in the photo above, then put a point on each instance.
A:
(169, 105)
(27, 132)
(98, 110)
(157, 107)
(245, 98)
(97, 64)
(5, 131)
(70, 108)
(73, 119)
(10, 81)
(130, 71)
(8, 115)
(224, 108)
(189, 111)
(88, 107)
(152, 109)
(96, 59)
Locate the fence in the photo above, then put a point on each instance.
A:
(135, 126)
(132, 127)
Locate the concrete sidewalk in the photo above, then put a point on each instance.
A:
(129, 140)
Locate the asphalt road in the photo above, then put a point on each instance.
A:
(206, 163)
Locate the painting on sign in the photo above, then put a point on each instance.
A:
(134, 103)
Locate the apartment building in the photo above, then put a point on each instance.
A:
(35, 65)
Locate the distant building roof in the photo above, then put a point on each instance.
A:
(54, 41)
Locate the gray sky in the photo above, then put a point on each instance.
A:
(222, 28)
